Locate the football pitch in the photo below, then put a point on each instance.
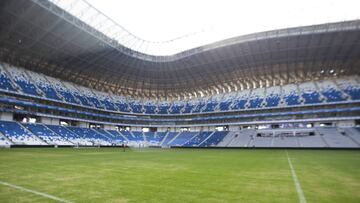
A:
(179, 175)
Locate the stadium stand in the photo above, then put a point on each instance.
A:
(18, 134)
(69, 135)
(47, 135)
(225, 85)
(319, 92)
(14, 133)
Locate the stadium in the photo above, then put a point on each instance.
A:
(89, 112)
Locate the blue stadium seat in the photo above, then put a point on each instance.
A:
(122, 106)
(95, 101)
(27, 87)
(197, 140)
(239, 104)
(149, 108)
(198, 107)
(182, 138)
(109, 105)
(69, 135)
(168, 138)
(333, 95)
(210, 106)
(215, 139)
(91, 135)
(82, 99)
(188, 108)
(225, 105)
(292, 99)
(136, 108)
(176, 109)
(354, 92)
(68, 97)
(272, 101)
(47, 135)
(5, 83)
(311, 97)
(255, 103)
(127, 135)
(117, 136)
(163, 108)
(17, 134)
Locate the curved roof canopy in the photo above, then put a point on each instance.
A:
(43, 37)
(163, 28)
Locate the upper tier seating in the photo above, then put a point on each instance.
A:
(188, 107)
(27, 82)
(240, 100)
(91, 97)
(273, 96)
(5, 82)
(210, 106)
(63, 90)
(150, 108)
(44, 85)
(256, 98)
(104, 100)
(330, 91)
(136, 107)
(22, 80)
(163, 108)
(200, 105)
(176, 108)
(350, 86)
(77, 94)
(291, 94)
(309, 93)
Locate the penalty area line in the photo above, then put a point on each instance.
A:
(296, 180)
(34, 192)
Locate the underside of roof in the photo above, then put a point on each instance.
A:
(40, 36)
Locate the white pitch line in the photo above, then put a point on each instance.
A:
(296, 180)
(35, 192)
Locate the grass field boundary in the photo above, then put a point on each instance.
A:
(299, 191)
(35, 192)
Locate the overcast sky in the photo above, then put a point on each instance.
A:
(213, 20)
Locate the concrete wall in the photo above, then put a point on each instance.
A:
(350, 123)
(49, 121)
(234, 128)
(109, 127)
(6, 116)
(83, 124)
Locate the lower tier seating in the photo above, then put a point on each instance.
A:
(15, 133)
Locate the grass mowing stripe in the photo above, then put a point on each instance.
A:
(35, 192)
(296, 180)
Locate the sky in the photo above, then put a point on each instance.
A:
(197, 22)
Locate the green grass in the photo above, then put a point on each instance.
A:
(179, 175)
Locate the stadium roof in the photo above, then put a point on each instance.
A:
(43, 37)
(160, 27)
